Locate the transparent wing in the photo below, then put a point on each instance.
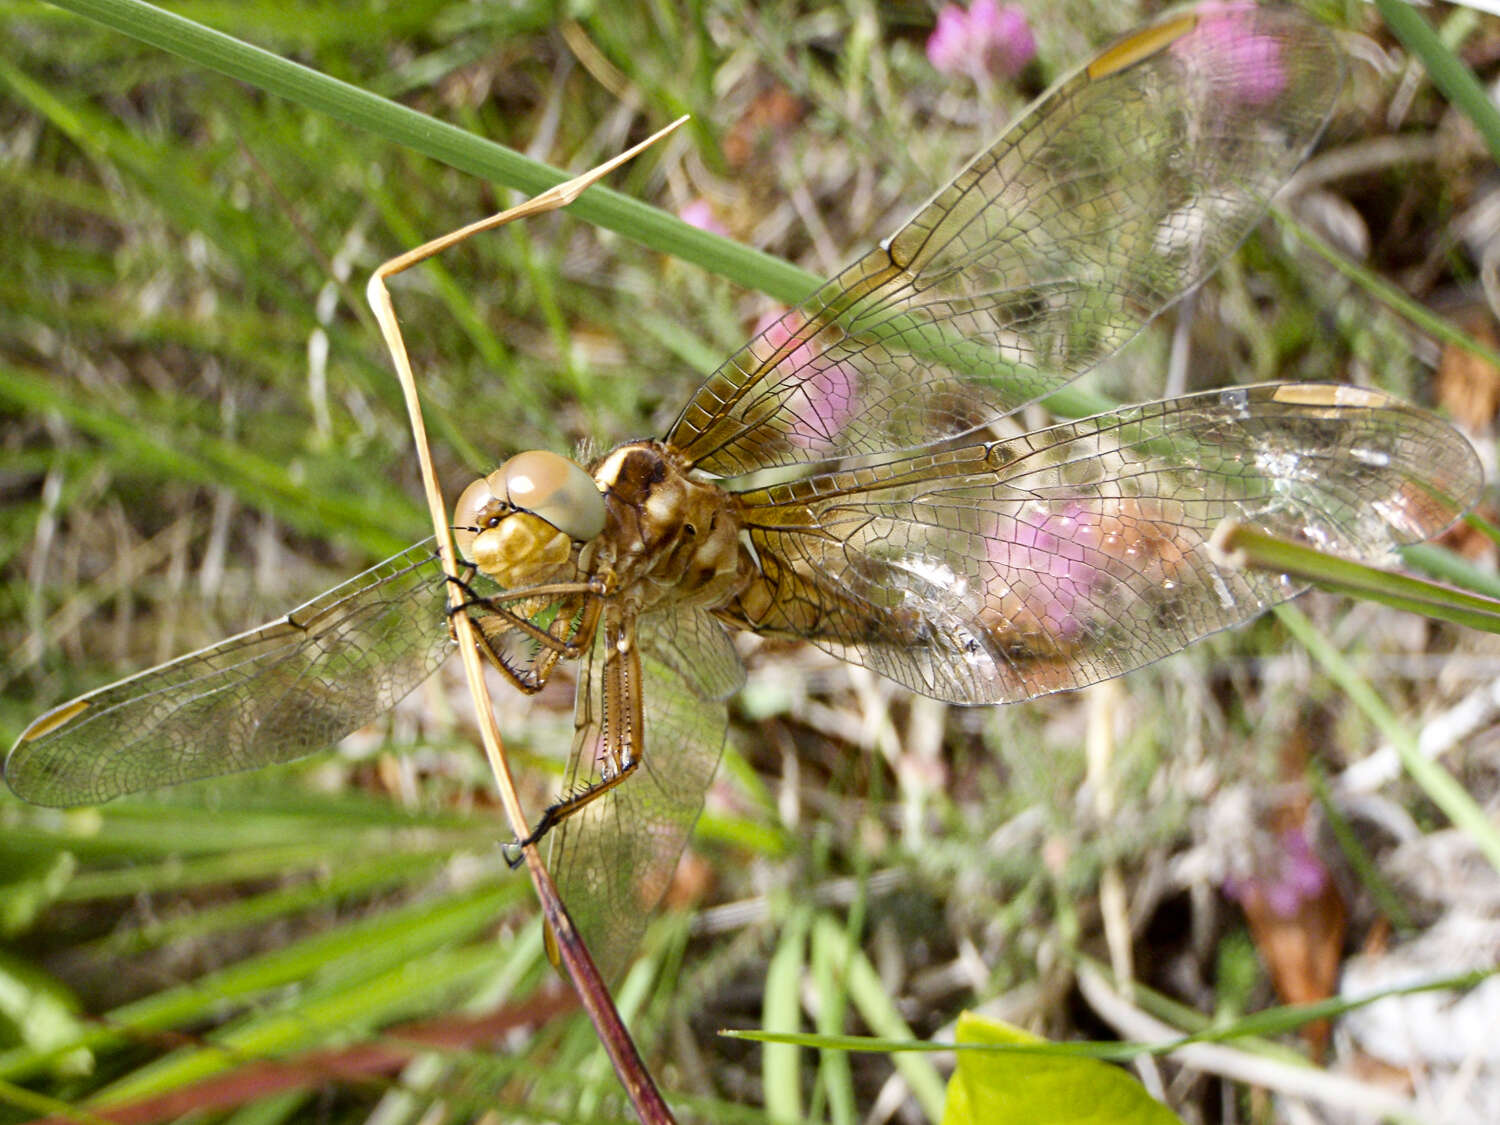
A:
(1116, 192)
(614, 858)
(1003, 570)
(269, 695)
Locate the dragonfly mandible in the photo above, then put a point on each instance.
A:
(853, 477)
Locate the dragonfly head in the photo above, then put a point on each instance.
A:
(519, 523)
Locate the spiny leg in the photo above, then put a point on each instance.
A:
(581, 633)
(568, 646)
(622, 727)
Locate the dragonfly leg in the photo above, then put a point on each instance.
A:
(619, 750)
(569, 646)
(563, 646)
(578, 633)
(564, 807)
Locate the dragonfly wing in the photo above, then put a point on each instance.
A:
(1003, 570)
(1119, 190)
(268, 695)
(614, 858)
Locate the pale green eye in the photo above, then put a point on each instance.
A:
(552, 488)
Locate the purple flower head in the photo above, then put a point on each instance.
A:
(1043, 577)
(1232, 56)
(700, 213)
(1286, 879)
(1053, 568)
(988, 39)
(824, 395)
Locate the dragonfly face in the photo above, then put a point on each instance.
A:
(853, 476)
(518, 524)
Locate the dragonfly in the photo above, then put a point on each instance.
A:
(855, 477)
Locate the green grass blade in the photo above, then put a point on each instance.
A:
(211, 461)
(392, 937)
(1436, 782)
(1444, 564)
(1345, 576)
(453, 146)
(349, 1010)
(1391, 296)
(1453, 78)
(1272, 1021)
(782, 1011)
(631, 218)
(876, 1008)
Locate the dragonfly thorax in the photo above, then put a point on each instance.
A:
(670, 535)
(519, 524)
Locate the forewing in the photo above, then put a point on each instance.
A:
(268, 695)
(614, 858)
(1117, 191)
(1004, 570)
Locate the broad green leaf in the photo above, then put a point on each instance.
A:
(1031, 1088)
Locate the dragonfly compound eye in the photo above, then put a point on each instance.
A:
(479, 507)
(518, 524)
(555, 489)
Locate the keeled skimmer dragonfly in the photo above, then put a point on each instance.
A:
(850, 477)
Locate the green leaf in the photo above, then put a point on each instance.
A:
(780, 1064)
(998, 1087)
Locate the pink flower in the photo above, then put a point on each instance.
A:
(700, 213)
(1045, 566)
(1055, 568)
(985, 40)
(828, 392)
(1232, 56)
(1287, 879)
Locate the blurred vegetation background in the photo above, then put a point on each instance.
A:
(200, 430)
